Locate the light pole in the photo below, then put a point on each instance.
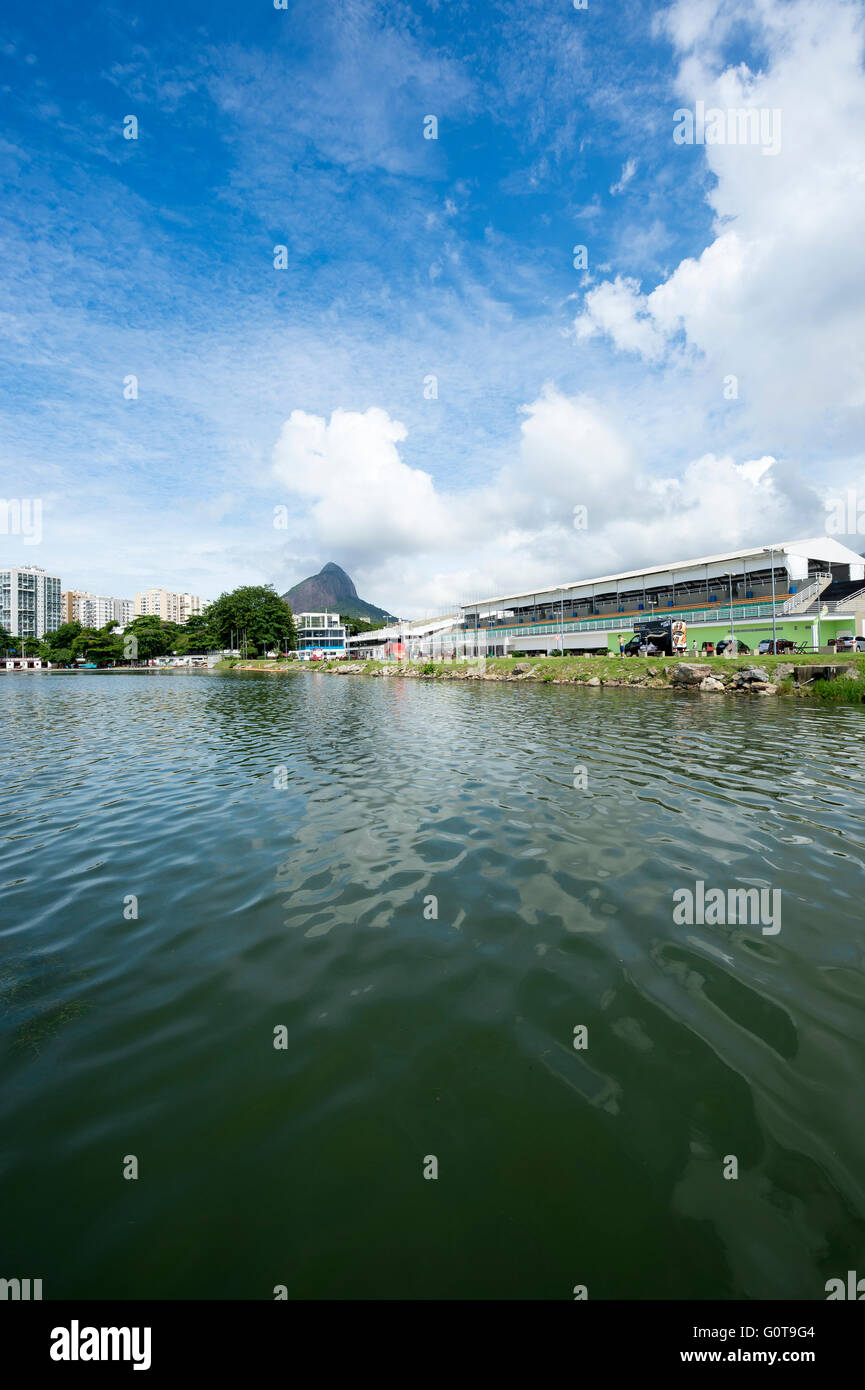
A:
(774, 628)
(732, 628)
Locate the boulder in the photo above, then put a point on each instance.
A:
(711, 683)
(522, 668)
(690, 673)
(750, 674)
(593, 681)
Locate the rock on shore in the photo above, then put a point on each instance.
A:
(691, 673)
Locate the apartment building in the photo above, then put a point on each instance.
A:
(30, 603)
(95, 610)
(170, 607)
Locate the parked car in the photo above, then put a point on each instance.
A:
(847, 643)
(728, 642)
(769, 648)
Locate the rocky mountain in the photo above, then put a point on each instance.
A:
(332, 589)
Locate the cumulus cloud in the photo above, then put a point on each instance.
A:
(361, 493)
(777, 298)
(419, 549)
(618, 309)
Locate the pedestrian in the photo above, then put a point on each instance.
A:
(621, 648)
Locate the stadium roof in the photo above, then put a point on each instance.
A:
(817, 548)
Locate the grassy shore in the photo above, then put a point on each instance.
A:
(641, 672)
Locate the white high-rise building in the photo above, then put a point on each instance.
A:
(193, 605)
(95, 610)
(170, 607)
(30, 603)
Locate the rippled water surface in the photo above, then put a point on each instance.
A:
(284, 838)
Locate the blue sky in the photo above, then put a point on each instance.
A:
(304, 388)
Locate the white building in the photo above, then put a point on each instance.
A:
(30, 603)
(319, 632)
(170, 607)
(413, 638)
(804, 590)
(95, 610)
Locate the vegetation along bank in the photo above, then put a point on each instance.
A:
(829, 679)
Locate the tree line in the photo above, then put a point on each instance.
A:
(253, 618)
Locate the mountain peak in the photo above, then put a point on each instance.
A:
(331, 589)
(340, 578)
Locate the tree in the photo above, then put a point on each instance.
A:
(63, 637)
(254, 613)
(152, 635)
(355, 625)
(196, 636)
(97, 646)
(60, 656)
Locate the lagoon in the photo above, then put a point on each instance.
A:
(400, 882)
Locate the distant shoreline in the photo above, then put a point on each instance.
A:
(108, 671)
(835, 680)
(705, 676)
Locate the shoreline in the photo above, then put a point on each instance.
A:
(818, 678)
(835, 680)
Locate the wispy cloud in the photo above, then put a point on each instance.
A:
(629, 168)
(413, 261)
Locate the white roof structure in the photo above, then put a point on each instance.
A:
(411, 627)
(818, 548)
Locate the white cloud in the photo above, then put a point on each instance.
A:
(618, 309)
(629, 168)
(363, 496)
(468, 497)
(778, 296)
(416, 549)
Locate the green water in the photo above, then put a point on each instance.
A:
(282, 836)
